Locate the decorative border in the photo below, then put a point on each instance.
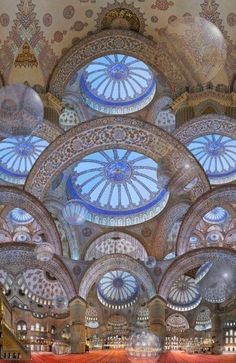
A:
(206, 124)
(115, 41)
(117, 132)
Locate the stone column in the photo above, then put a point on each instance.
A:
(157, 306)
(216, 334)
(77, 325)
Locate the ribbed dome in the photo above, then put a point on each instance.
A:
(118, 184)
(216, 153)
(117, 84)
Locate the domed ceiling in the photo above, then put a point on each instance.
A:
(118, 183)
(51, 30)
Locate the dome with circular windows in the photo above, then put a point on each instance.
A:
(216, 216)
(118, 289)
(216, 154)
(184, 294)
(117, 84)
(20, 216)
(118, 187)
(18, 155)
(177, 323)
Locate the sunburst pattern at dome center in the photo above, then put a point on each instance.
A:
(118, 184)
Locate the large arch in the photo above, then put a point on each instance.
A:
(207, 124)
(17, 198)
(215, 198)
(113, 262)
(55, 206)
(126, 42)
(107, 132)
(187, 262)
(92, 252)
(15, 258)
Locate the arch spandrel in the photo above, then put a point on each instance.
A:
(108, 132)
(17, 198)
(190, 261)
(127, 42)
(217, 197)
(206, 124)
(113, 262)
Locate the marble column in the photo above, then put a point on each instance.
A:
(77, 325)
(157, 307)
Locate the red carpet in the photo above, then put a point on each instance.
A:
(119, 356)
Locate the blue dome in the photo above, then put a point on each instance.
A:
(118, 187)
(117, 289)
(216, 216)
(217, 155)
(117, 84)
(20, 216)
(18, 155)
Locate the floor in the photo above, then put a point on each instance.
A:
(119, 356)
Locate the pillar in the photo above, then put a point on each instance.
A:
(216, 334)
(157, 306)
(77, 325)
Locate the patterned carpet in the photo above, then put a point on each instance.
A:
(119, 356)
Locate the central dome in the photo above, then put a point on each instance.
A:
(117, 84)
(118, 187)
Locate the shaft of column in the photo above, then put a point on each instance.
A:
(77, 325)
(157, 307)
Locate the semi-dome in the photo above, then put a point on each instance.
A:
(20, 216)
(117, 289)
(117, 84)
(184, 294)
(216, 154)
(17, 156)
(216, 215)
(118, 187)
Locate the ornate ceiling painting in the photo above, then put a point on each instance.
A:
(117, 185)
(31, 37)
